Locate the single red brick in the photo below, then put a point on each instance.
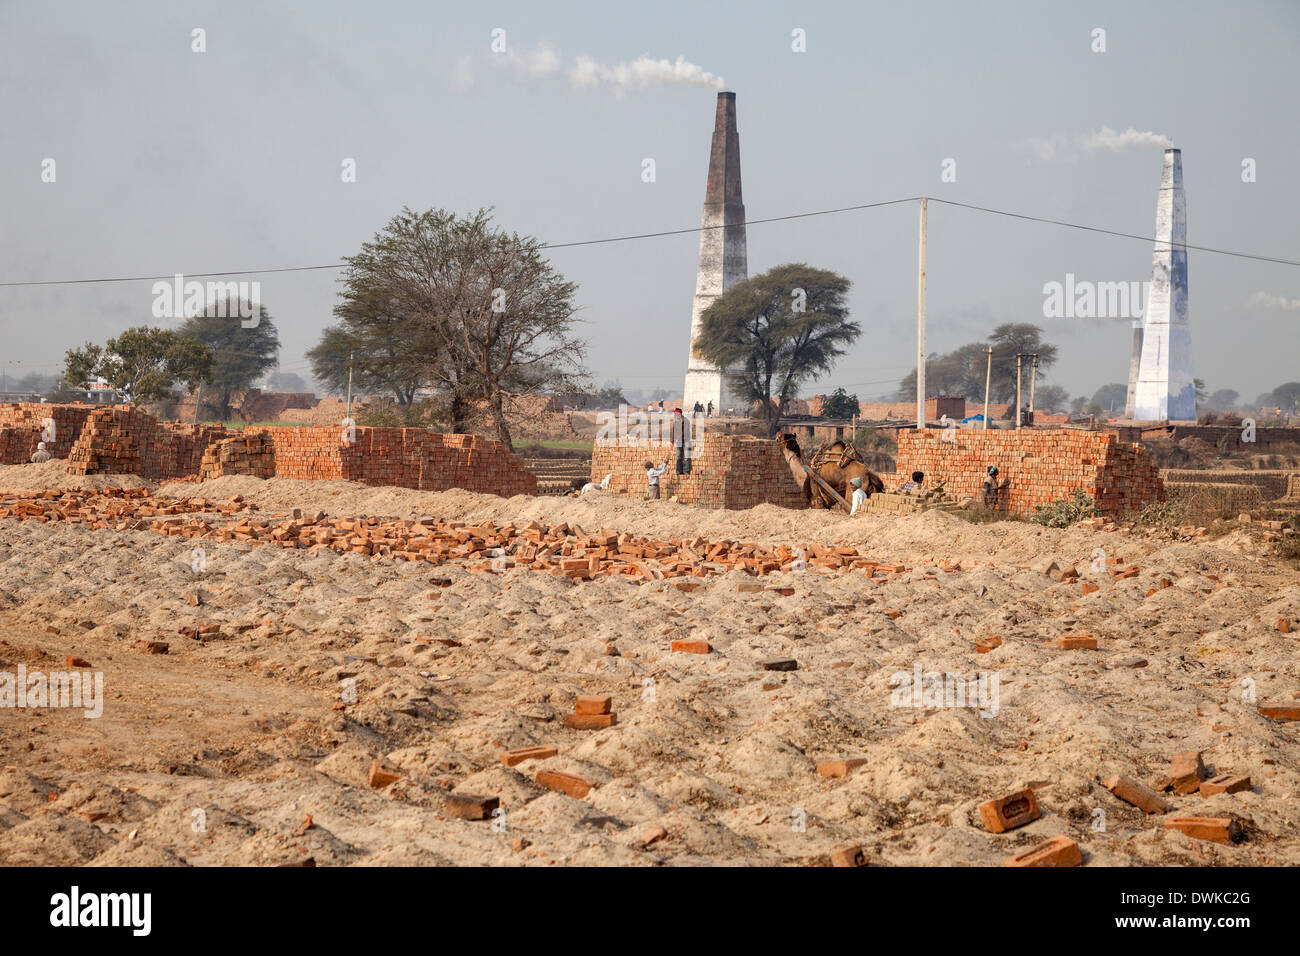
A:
(1279, 711)
(1058, 851)
(589, 721)
(1224, 783)
(1075, 642)
(1284, 625)
(575, 787)
(379, 777)
(78, 662)
(1089, 588)
(541, 752)
(692, 647)
(467, 806)
(1215, 829)
(985, 644)
(1011, 811)
(1130, 791)
(1185, 772)
(839, 768)
(593, 705)
(849, 856)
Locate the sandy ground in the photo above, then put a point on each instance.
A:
(216, 751)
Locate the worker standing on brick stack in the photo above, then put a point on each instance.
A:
(40, 454)
(652, 478)
(682, 442)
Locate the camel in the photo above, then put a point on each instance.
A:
(833, 468)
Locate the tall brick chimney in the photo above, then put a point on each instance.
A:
(1165, 389)
(722, 253)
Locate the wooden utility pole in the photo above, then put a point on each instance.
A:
(920, 325)
(988, 375)
(1033, 375)
(198, 401)
(351, 356)
(1019, 356)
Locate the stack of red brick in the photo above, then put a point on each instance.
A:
(122, 440)
(22, 423)
(727, 471)
(17, 445)
(405, 457)
(107, 444)
(1042, 465)
(244, 455)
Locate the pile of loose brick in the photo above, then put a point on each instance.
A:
(244, 455)
(564, 550)
(1043, 465)
(727, 471)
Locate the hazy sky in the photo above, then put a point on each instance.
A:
(171, 161)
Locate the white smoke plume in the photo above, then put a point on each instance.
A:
(642, 72)
(1107, 138)
(1275, 302)
(1061, 147)
(645, 71)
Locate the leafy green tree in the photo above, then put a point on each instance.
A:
(1007, 340)
(240, 355)
(775, 331)
(147, 361)
(1050, 398)
(839, 405)
(471, 310)
(1287, 397)
(962, 371)
(1222, 400)
(280, 381)
(1111, 398)
(380, 342)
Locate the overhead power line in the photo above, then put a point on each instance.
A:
(695, 229)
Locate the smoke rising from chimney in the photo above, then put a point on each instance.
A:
(1059, 146)
(543, 62)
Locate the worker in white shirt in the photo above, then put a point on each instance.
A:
(859, 496)
(652, 477)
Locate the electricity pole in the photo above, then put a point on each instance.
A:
(351, 356)
(920, 325)
(1033, 376)
(1019, 356)
(988, 374)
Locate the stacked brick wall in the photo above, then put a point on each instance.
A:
(124, 440)
(242, 455)
(1043, 465)
(406, 457)
(1271, 483)
(107, 444)
(30, 418)
(17, 445)
(727, 471)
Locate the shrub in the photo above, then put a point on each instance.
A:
(1064, 512)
